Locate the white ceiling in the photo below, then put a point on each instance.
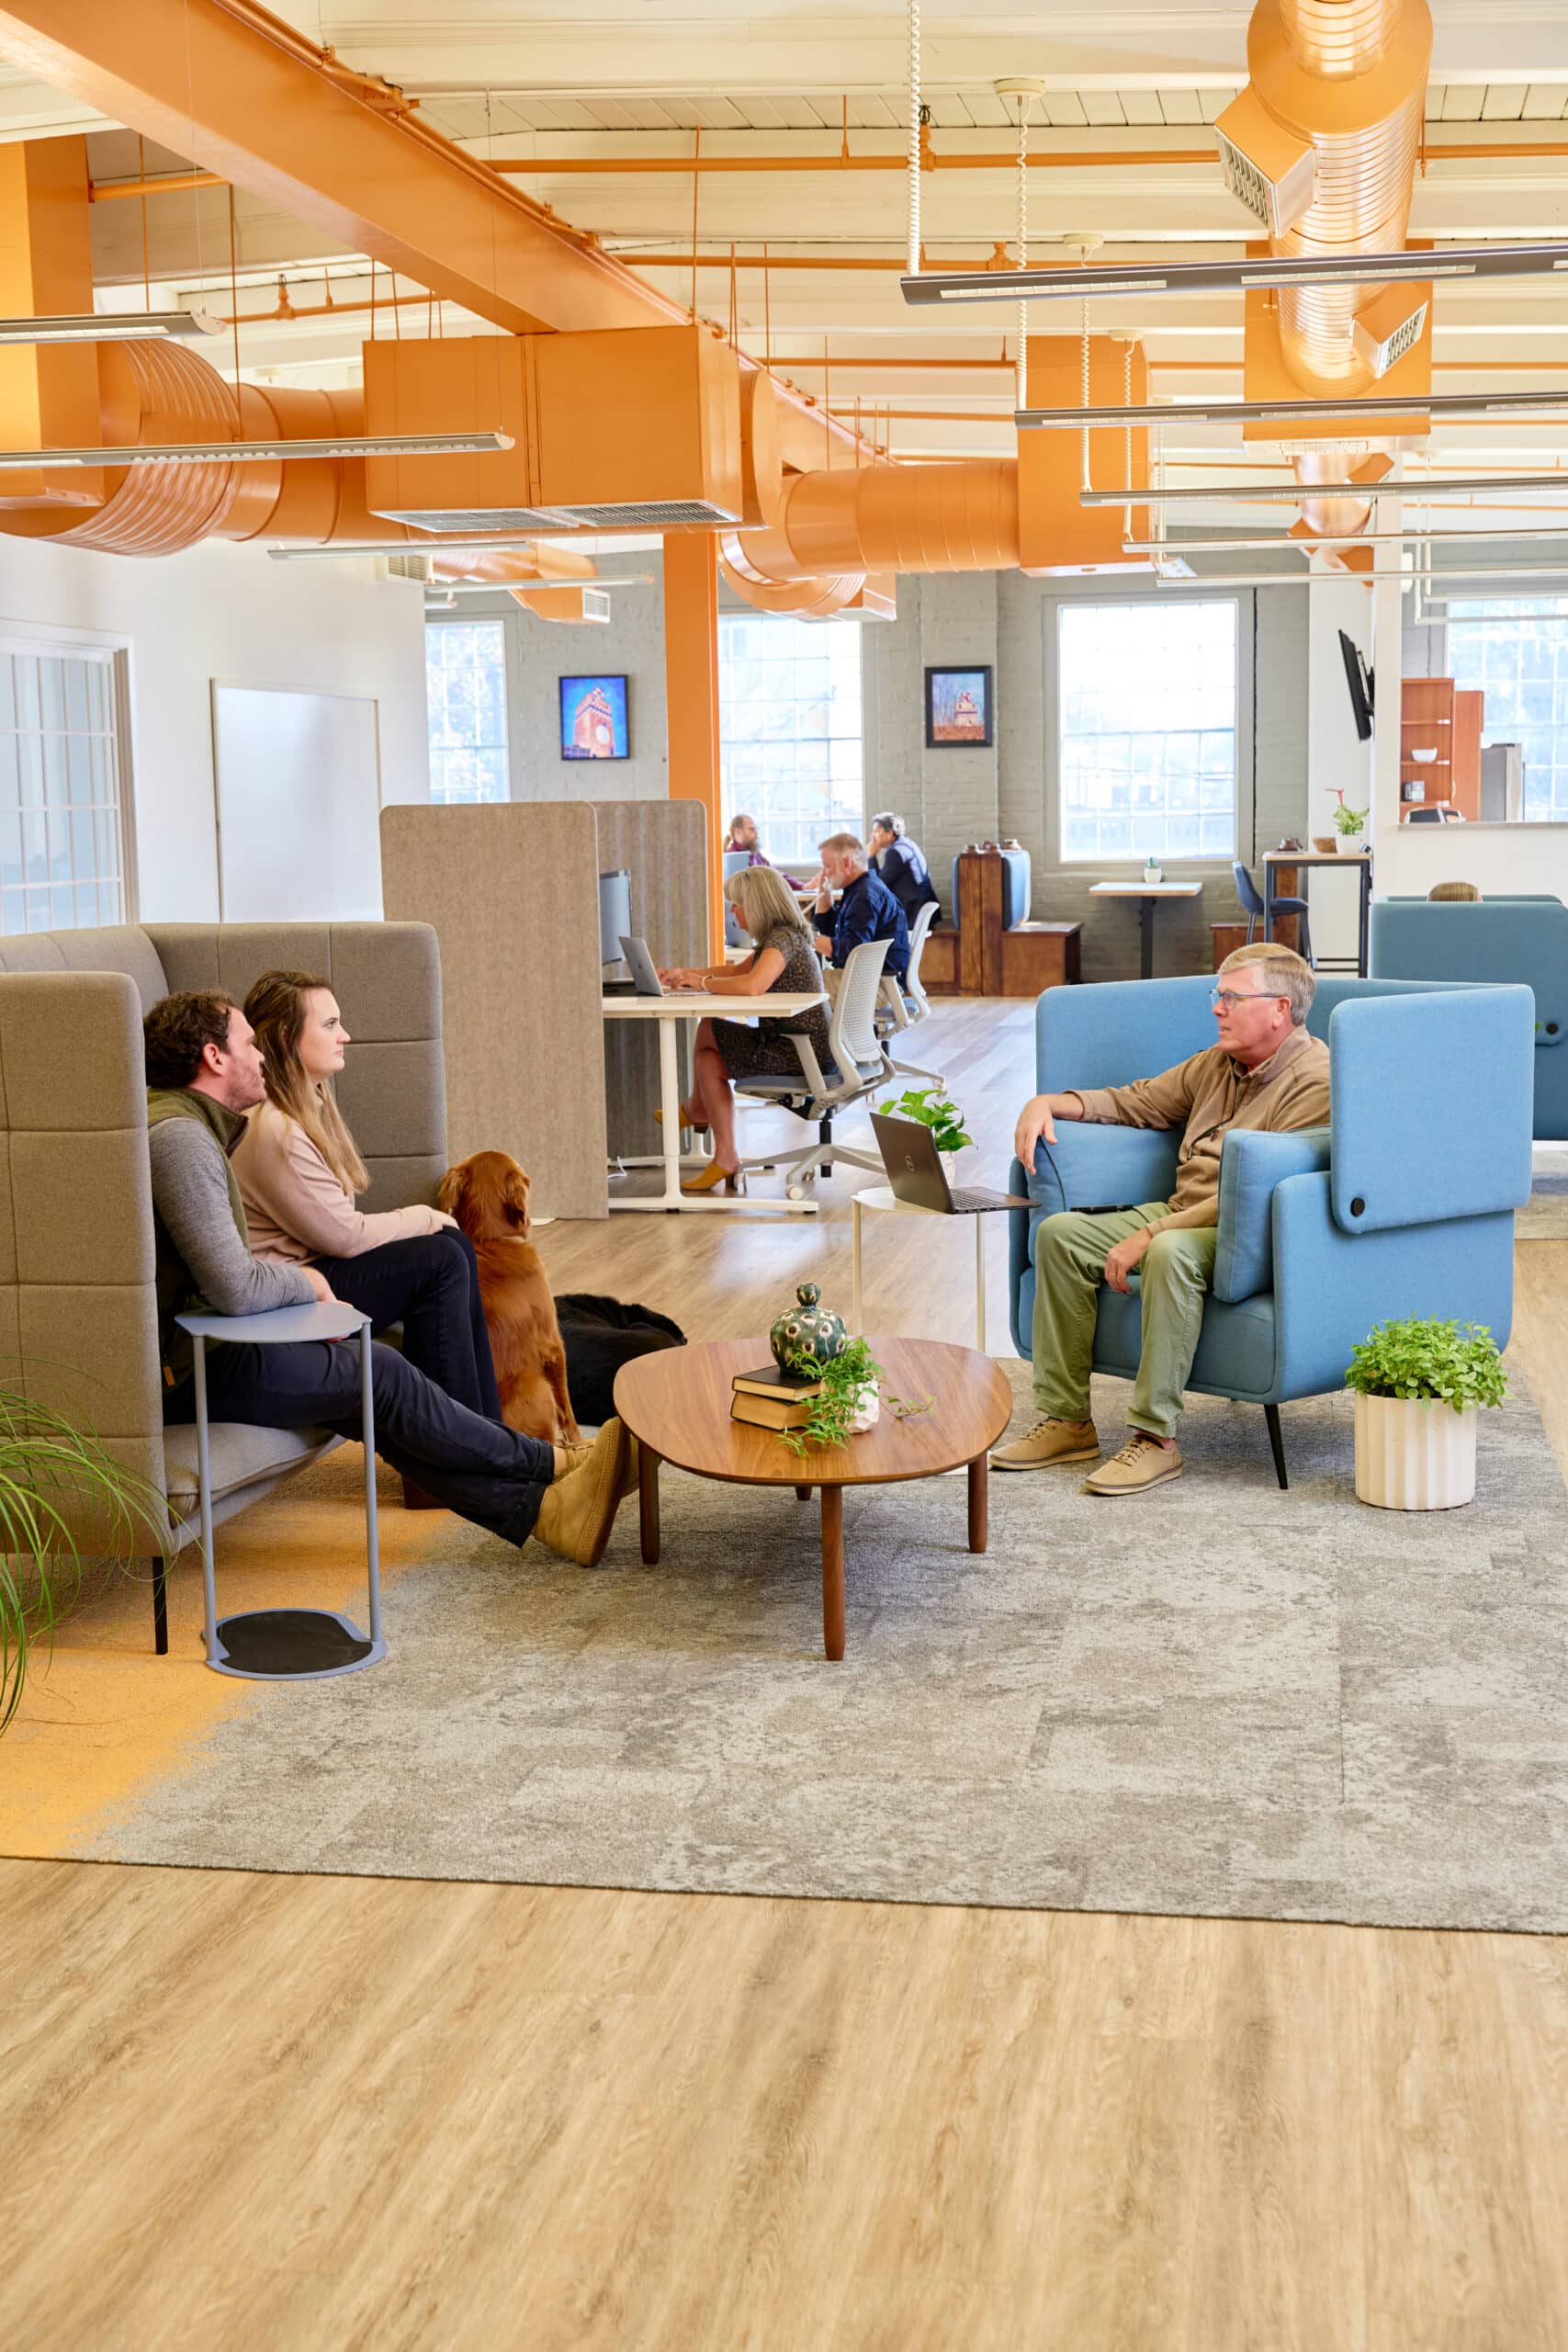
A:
(516, 78)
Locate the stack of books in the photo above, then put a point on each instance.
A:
(771, 1399)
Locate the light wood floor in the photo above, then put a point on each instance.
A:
(258, 2112)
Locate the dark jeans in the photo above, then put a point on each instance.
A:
(485, 1472)
(431, 1286)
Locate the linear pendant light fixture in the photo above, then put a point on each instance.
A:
(1282, 543)
(113, 326)
(1419, 489)
(240, 453)
(1077, 280)
(1068, 420)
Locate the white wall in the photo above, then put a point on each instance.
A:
(229, 613)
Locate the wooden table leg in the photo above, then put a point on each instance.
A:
(978, 1498)
(802, 1494)
(647, 1502)
(833, 1572)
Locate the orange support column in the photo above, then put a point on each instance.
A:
(691, 694)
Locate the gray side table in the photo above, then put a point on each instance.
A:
(287, 1645)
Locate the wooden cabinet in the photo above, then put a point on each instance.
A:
(1435, 715)
(982, 959)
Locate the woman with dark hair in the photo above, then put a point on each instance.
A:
(300, 1177)
(901, 866)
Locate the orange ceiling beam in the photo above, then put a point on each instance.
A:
(246, 97)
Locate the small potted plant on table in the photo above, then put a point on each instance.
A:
(1418, 1387)
(1350, 825)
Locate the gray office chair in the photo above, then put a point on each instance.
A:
(859, 1070)
(902, 1004)
(1252, 906)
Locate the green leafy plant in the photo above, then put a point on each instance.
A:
(844, 1379)
(1348, 820)
(1425, 1357)
(937, 1111)
(49, 1468)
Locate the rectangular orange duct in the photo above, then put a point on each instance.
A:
(1056, 534)
(49, 393)
(638, 427)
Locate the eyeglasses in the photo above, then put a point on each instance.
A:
(1230, 998)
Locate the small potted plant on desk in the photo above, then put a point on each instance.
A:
(1418, 1387)
(934, 1108)
(1349, 824)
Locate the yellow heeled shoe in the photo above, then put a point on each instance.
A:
(713, 1177)
(698, 1126)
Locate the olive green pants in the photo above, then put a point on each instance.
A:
(1175, 1271)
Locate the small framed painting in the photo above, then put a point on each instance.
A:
(958, 708)
(593, 718)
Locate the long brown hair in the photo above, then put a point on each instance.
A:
(276, 1010)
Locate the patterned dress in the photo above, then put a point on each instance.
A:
(765, 1050)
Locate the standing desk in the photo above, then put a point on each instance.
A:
(697, 1004)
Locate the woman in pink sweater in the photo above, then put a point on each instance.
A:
(300, 1176)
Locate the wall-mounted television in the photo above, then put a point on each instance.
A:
(1358, 678)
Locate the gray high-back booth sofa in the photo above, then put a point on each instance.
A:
(78, 1311)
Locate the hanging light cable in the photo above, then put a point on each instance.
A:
(1020, 91)
(914, 8)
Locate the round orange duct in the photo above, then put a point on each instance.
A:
(151, 393)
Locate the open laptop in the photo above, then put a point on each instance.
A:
(645, 975)
(917, 1175)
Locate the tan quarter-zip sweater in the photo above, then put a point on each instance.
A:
(1208, 1095)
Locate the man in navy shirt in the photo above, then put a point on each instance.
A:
(867, 909)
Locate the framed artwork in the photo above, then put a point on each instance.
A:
(593, 718)
(958, 708)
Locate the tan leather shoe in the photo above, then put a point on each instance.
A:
(1047, 1443)
(1142, 1463)
(579, 1510)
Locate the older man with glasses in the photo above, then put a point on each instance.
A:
(1265, 1071)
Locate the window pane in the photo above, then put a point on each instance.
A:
(60, 857)
(1147, 730)
(465, 672)
(789, 703)
(1516, 650)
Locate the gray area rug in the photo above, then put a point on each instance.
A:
(1218, 1700)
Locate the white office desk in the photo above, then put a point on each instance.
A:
(693, 1004)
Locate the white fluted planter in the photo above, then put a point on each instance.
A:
(868, 1409)
(1414, 1453)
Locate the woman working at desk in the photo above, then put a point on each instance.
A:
(781, 957)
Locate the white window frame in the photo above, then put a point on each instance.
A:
(1492, 618)
(1109, 593)
(47, 640)
(853, 817)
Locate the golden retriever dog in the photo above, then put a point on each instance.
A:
(487, 1195)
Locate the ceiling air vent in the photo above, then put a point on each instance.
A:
(650, 515)
(481, 519)
(1267, 167)
(1389, 327)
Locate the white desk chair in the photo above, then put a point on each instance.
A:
(902, 1004)
(861, 1068)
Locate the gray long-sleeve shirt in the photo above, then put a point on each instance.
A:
(190, 1201)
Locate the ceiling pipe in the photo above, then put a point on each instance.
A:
(1339, 87)
(1056, 159)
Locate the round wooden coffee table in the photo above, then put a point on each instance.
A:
(676, 1405)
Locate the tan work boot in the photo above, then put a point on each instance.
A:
(1142, 1463)
(1048, 1442)
(579, 1510)
(577, 1450)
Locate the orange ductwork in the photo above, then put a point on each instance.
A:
(1323, 144)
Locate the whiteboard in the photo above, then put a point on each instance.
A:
(299, 786)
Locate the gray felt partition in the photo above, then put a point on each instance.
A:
(513, 894)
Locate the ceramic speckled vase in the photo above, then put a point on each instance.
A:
(807, 1330)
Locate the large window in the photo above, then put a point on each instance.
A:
(1516, 650)
(465, 673)
(789, 704)
(62, 839)
(1146, 696)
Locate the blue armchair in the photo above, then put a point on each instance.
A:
(1522, 939)
(1403, 1205)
